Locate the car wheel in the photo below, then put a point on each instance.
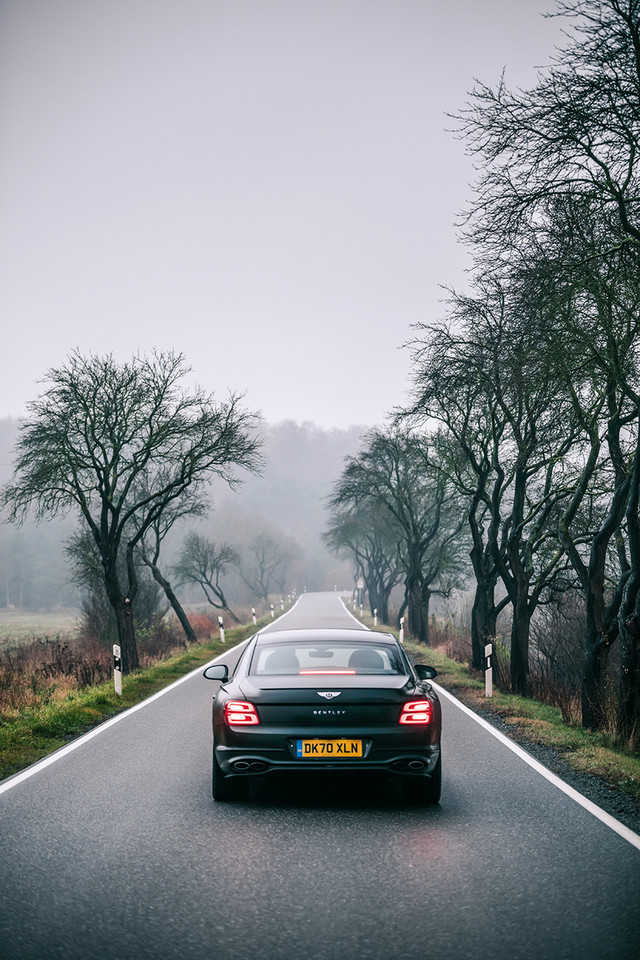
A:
(425, 790)
(226, 788)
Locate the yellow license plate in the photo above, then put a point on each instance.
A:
(328, 749)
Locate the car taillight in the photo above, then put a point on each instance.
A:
(416, 711)
(238, 712)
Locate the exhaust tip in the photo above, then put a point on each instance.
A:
(409, 765)
(249, 766)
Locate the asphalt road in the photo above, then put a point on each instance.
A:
(116, 851)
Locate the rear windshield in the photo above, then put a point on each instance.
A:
(318, 659)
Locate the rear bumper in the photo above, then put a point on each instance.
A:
(268, 752)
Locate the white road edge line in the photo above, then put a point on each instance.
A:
(63, 751)
(602, 815)
(606, 818)
(39, 765)
(362, 625)
(281, 617)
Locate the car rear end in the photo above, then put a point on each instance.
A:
(321, 713)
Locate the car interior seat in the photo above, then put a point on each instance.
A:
(366, 660)
(285, 660)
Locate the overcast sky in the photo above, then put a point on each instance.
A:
(267, 186)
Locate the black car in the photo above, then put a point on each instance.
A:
(326, 700)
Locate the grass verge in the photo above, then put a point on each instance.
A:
(530, 721)
(33, 733)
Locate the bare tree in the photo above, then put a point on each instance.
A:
(589, 300)
(192, 504)
(98, 618)
(204, 562)
(402, 474)
(572, 141)
(367, 534)
(499, 393)
(103, 430)
(448, 372)
(264, 563)
(575, 131)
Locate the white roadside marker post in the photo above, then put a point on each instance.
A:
(375, 618)
(272, 614)
(401, 637)
(117, 669)
(361, 612)
(282, 603)
(221, 622)
(488, 673)
(253, 614)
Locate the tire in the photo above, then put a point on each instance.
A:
(425, 790)
(226, 788)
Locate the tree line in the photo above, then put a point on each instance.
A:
(518, 455)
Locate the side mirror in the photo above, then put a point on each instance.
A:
(425, 672)
(218, 671)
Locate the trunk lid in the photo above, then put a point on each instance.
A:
(328, 700)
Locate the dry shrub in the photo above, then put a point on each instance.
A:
(501, 663)
(547, 686)
(458, 646)
(35, 672)
(455, 641)
(203, 625)
(556, 655)
(31, 672)
(161, 640)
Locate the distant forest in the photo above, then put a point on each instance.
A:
(287, 503)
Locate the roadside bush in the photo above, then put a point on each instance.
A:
(501, 663)
(451, 638)
(32, 673)
(203, 625)
(159, 640)
(556, 655)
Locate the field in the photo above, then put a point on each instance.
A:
(18, 625)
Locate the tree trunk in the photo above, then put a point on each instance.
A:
(126, 635)
(601, 624)
(371, 586)
(175, 603)
(483, 621)
(599, 635)
(418, 623)
(231, 614)
(222, 605)
(383, 609)
(629, 711)
(124, 618)
(426, 602)
(520, 646)
(402, 611)
(594, 674)
(629, 618)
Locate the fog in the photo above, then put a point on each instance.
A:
(269, 186)
(301, 463)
